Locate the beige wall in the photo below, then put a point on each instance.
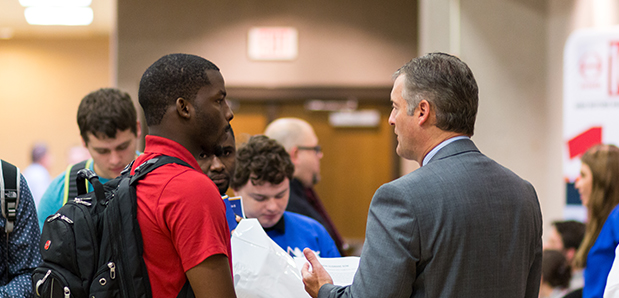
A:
(340, 43)
(558, 30)
(41, 84)
(504, 43)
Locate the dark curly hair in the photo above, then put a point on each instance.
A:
(104, 112)
(171, 77)
(262, 160)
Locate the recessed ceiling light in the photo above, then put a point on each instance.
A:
(48, 3)
(68, 16)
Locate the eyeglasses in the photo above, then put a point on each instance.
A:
(316, 148)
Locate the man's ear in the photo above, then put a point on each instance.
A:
(184, 108)
(294, 154)
(423, 109)
(570, 253)
(138, 131)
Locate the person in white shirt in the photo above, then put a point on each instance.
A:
(37, 173)
(612, 283)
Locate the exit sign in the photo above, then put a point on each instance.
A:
(273, 43)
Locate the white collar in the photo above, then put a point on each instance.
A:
(439, 147)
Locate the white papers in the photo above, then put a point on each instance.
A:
(342, 270)
(261, 268)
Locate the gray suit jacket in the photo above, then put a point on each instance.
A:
(460, 226)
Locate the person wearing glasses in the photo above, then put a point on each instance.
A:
(300, 141)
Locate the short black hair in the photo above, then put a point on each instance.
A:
(171, 77)
(572, 232)
(262, 160)
(231, 131)
(448, 85)
(104, 112)
(219, 150)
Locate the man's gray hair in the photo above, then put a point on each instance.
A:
(447, 84)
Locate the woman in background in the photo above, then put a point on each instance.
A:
(598, 186)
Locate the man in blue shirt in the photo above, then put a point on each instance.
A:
(109, 128)
(262, 178)
(20, 247)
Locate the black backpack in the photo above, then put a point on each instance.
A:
(9, 194)
(92, 247)
(70, 177)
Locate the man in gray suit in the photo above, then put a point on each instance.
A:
(459, 226)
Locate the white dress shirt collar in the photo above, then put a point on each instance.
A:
(440, 146)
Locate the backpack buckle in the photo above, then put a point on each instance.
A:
(127, 168)
(145, 165)
(10, 198)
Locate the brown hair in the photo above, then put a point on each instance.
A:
(603, 160)
(556, 271)
(104, 112)
(262, 160)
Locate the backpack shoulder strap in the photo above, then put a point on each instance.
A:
(9, 193)
(70, 179)
(141, 171)
(151, 164)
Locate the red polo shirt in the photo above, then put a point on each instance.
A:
(181, 215)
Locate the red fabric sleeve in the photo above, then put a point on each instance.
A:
(196, 218)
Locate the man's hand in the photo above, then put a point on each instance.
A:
(314, 279)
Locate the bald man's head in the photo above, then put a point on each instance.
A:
(289, 132)
(301, 142)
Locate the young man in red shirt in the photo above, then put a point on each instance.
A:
(180, 211)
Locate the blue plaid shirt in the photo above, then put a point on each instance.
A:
(22, 255)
